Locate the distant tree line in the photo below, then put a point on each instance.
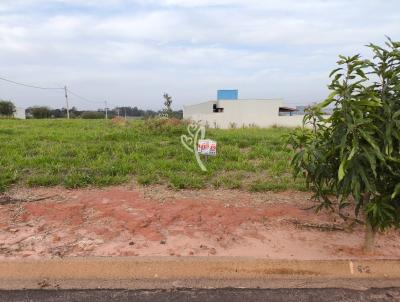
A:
(39, 112)
(7, 109)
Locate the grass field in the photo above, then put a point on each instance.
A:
(78, 153)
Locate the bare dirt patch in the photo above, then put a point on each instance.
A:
(154, 221)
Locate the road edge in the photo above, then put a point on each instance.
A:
(195, 272)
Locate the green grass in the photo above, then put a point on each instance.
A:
(79, 153)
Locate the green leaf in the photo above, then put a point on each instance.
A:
(329, 100)
(352, 153)
(342, 172)
(371, 159)
(396, 114)
(361, 73)
(396, 191)
(370, 140)
(334, 71)
(369, 103)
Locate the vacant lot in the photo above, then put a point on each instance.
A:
(79, 153)
(135, 220)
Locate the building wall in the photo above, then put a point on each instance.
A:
(202, 108)
(239, 113)
(290, 121)
(248, 112)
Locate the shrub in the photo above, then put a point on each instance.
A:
(356, 151)
(40, 112)
(93, 115)
(119, 121)
(7, 108)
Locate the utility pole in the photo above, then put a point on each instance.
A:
(66, 100)
(106, 109)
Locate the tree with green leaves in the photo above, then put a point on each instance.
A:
(7, 108)
(167, 104)
(352, 157)
(39, 112)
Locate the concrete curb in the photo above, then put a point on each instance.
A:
(196, 272)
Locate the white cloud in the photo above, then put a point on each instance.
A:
(189, 47)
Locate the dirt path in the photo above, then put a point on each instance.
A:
(154, 221)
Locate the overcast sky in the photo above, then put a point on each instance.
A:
(131, 51)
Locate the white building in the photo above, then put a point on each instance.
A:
(233, 113)
(20, 113)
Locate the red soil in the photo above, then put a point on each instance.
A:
(154, 221)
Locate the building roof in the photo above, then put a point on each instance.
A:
(287, 109)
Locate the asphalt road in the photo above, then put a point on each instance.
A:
(203, 295)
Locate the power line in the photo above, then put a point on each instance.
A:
(89, 100)
(56, 88)
(83, 98)
(31, 86)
